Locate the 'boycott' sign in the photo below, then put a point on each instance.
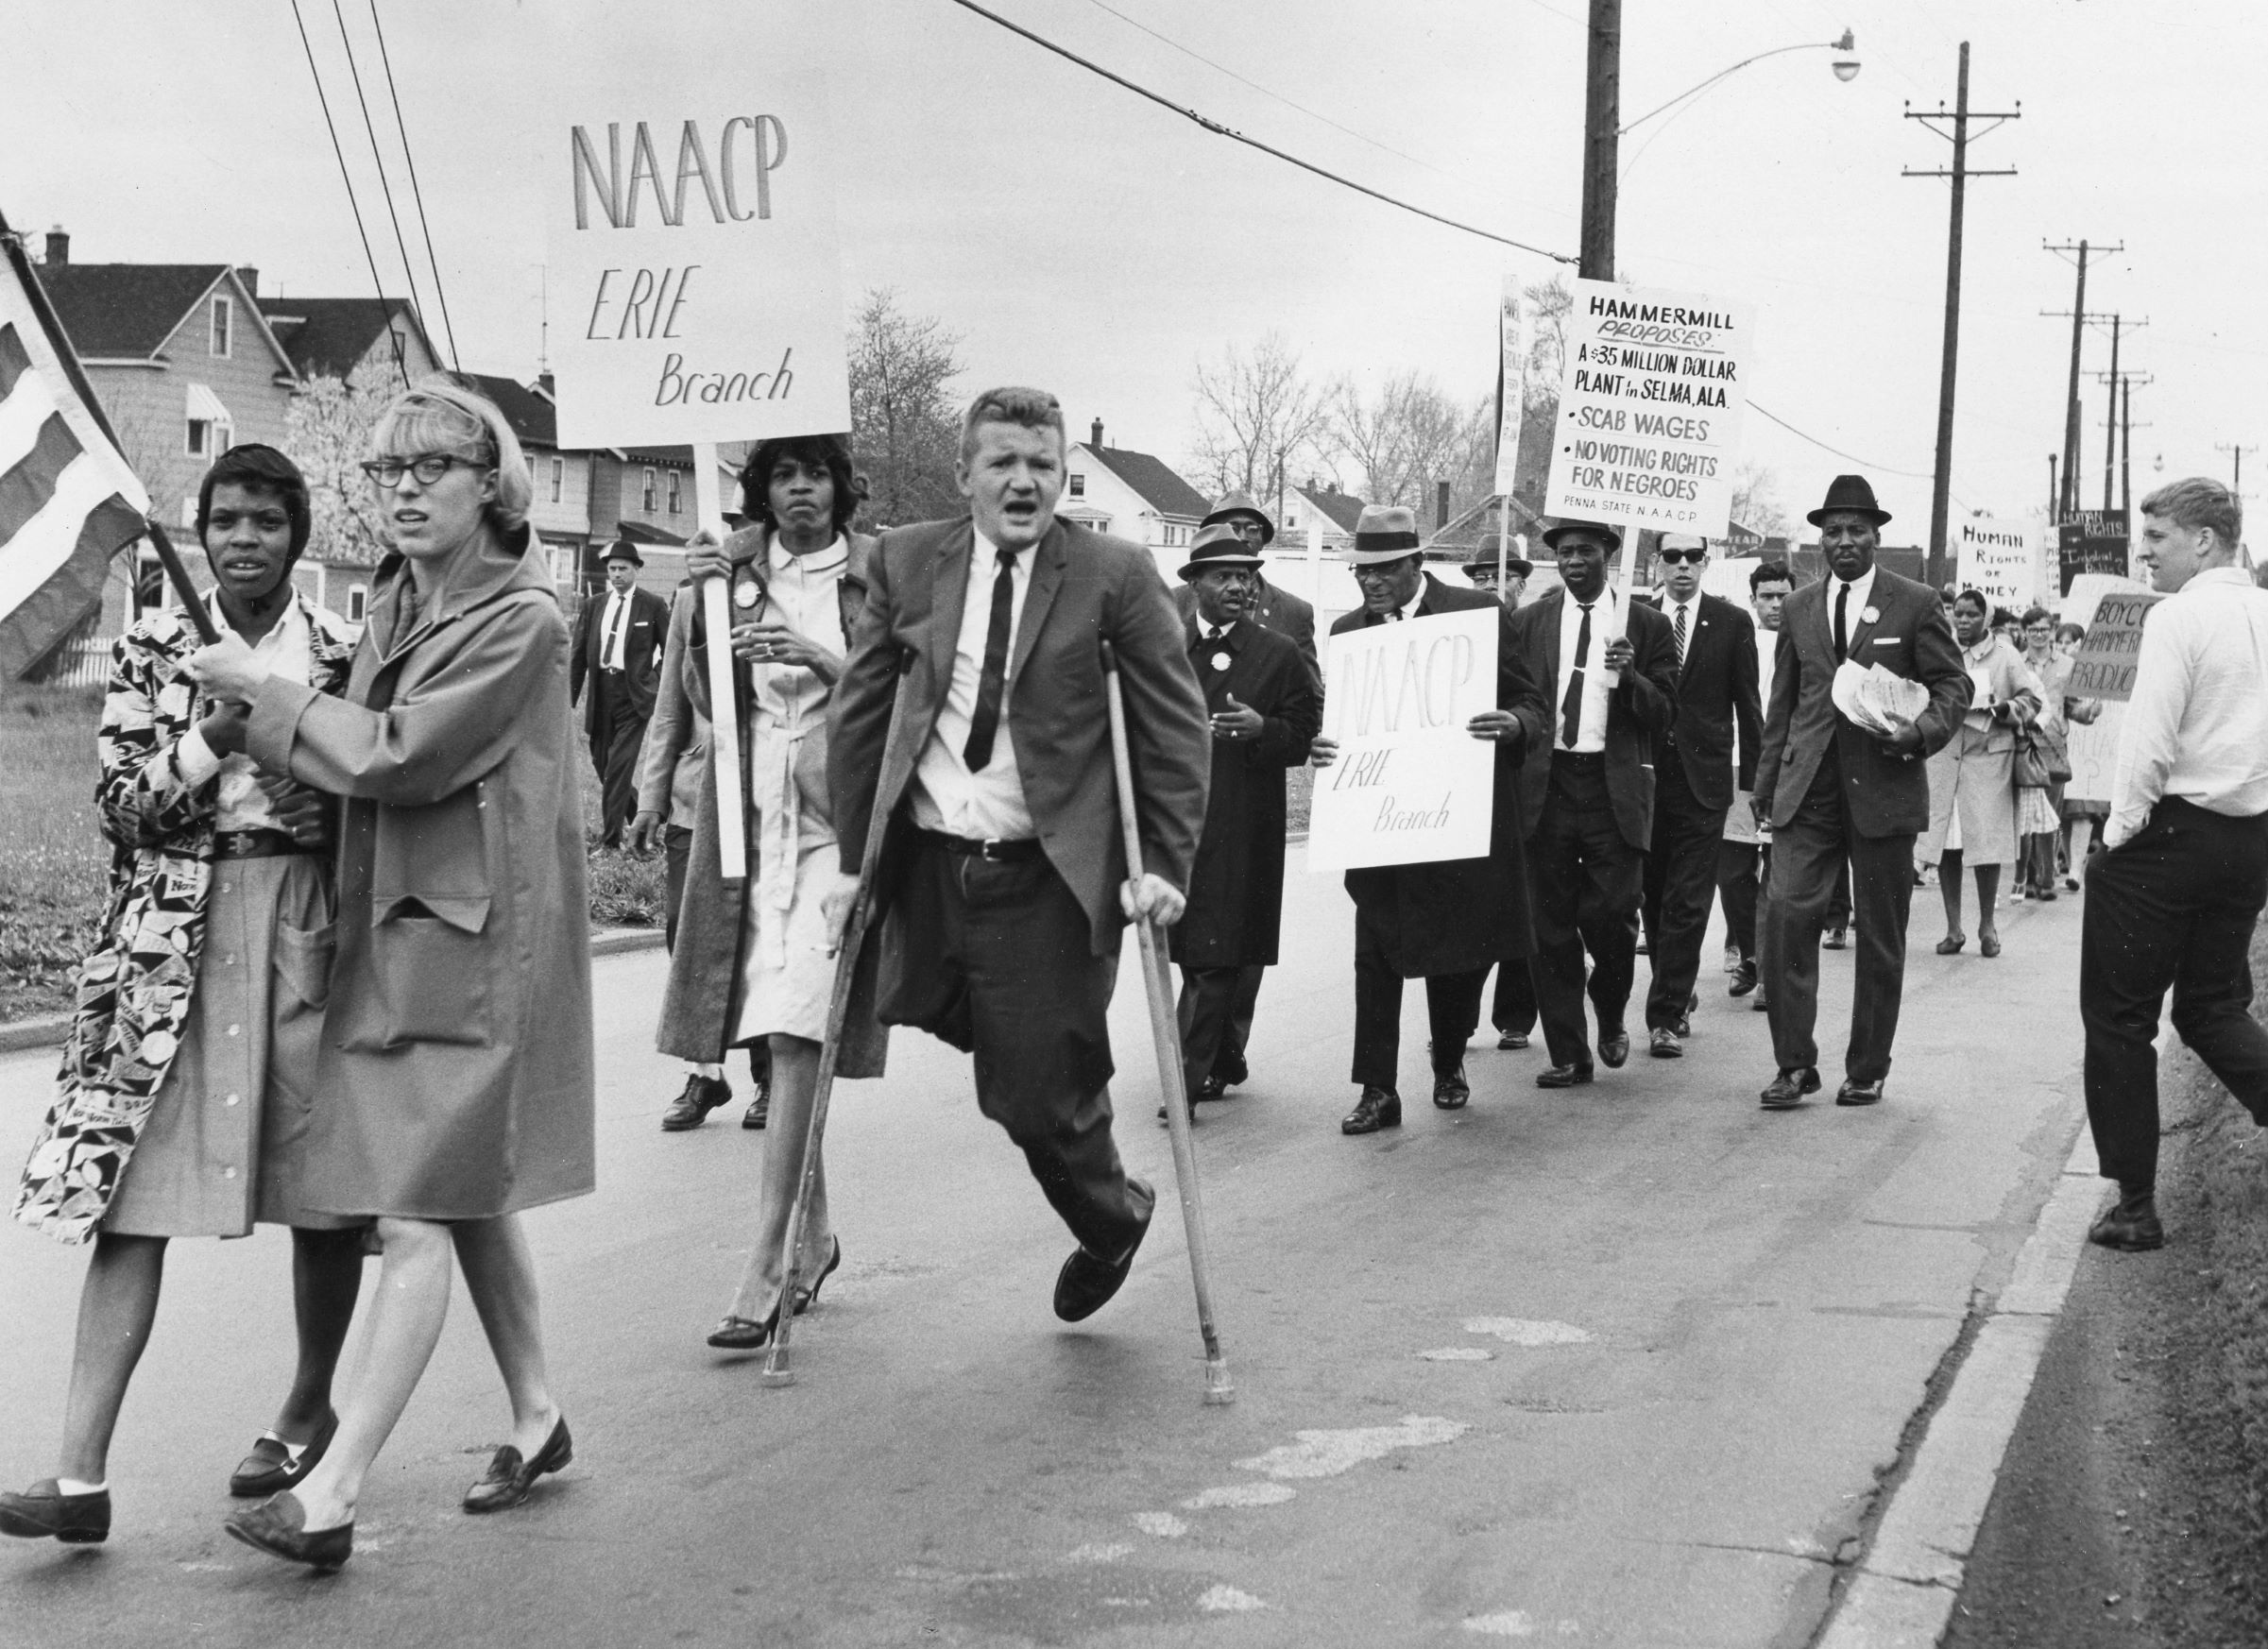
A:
(691, 206)
(1650, 408)
(2103, 666)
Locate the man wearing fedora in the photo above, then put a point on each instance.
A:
(618, 651)
(1830, 788)
(1482, 570)
(1265, 706)
(1587, 791)
(1512, 1006)
(1448, 921)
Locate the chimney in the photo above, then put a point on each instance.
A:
(1441, 509)
(251, 280)
(58, 247)
(1097, 438)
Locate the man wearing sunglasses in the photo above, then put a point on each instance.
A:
(1693, 780)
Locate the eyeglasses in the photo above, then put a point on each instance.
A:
(1385, 573)
(428, 468)
(1679, 557)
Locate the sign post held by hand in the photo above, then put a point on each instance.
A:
(723, 717)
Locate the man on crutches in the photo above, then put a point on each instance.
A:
(1002, 885)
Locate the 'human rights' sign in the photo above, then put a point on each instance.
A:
(690, 200)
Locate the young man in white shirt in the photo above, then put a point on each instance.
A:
(2172, 902)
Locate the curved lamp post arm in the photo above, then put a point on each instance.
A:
(1847, 44)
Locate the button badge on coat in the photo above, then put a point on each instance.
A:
(1221, 661)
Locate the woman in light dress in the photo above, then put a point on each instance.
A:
(1972, 783)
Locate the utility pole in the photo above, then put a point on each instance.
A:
(2236, 479)
(2110, 417)
(1602, 124)
(1941, 489)
(2125, 393)
(2067, 501)
(2052, 497)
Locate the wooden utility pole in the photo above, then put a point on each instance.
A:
(1602, 123)
(1941, 486)
(2236, 451)
(2110, 417)
(2052, 497)
(2067, 501)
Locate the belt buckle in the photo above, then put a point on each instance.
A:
(989, 850)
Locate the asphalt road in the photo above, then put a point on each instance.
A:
(1615, 1366)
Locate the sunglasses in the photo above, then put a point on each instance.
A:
(1681, 557)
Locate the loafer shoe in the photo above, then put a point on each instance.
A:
(1378, 1108)
(1564, 1077)
(1786, 1090)
(1614, 1049)
(1450, 1089)
(44, 1512)
(1662, 1042)
(274, 1464)
(1086, 1282)
(279, 1527)
(1512, 1039)
(691, 1109)
(1857, 1092)
(2130, 1224)
(509, 1478)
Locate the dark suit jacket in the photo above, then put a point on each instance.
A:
(1452, 916)
(1085, 589)
(644, 629)
(1278, 610)
(1638, 711)
(1906, 635)
(1717, 690)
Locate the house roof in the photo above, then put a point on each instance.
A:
(124, 309)
(1156, 484)
(1343, 509)
(328, 337)
(533, 418)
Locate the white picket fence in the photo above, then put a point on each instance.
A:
(82, 661)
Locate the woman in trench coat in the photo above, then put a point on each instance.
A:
(456, 1076)
(1972, 780)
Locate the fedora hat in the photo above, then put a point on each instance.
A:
(1383, 533)
(1484, 557)
(1849, 492)
(623, 550)
(1559, 529)
(1218, 546)
(1241, 504)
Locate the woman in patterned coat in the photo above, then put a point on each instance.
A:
(190, 1068)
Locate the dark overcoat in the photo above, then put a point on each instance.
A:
(1456, 915)
(1236, 889)
(1273, 608)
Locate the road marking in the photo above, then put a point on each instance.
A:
(1165, 1526)
(1458, 1354)
(1325, 1454)
(1227, 1599)
(1096, 1551)
(1241, 1494)
(1522, 1333)
(1516, 1623)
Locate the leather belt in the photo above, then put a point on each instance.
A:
(1580, 757)
(995, 850)
(257, 844)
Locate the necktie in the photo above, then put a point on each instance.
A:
(1571, 707)
(986, 724)
(1842, 634)
(1680, 637)
(609, 656)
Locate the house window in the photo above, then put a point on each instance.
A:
(201, 438)
(1078, 487)
(559, 478)
(676, 496)
(223, 316)
(358, 603)
(401, 346)
(646, 493)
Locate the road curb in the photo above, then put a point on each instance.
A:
(1903, 1590)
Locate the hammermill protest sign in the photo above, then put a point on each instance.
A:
(1650, 408)
(689, 200)
(1410, 784)
(2104, 667)
(1999, 560)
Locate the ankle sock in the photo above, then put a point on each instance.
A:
(73, 1485)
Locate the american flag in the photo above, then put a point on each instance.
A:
(68, 502)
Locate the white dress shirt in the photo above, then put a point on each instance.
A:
(1598, 682)
(612, 623)
(2198, 725)
(1862, 594)
(241, 804)
(988, 806)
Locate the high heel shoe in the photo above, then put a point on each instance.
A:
(745, 1333)
(1951, 943)
(807, 1298)
(279, 1527)
(1988, 944)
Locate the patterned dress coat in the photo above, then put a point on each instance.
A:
(133, 992)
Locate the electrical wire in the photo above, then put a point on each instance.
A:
(417, 195)
(345, 176)
(1853, 457)
(409, 272)
(1220, 131)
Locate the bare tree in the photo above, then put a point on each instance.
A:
(1258, 417)
(1756, 501)
(905, 426)
(1406, 438)
(326, 433)
(1550, 303)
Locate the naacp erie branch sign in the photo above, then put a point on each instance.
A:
(1410, 785)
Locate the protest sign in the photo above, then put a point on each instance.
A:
(2103, 666)
(1999, 560)
(1410, 785)
(2094, 746)
(1650, 408)
(2092, 541)
(1512, 382)
(689, 202)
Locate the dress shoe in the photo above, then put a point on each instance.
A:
(1838, 939)
(1513, 1039)
(274, 1464)
(1663, 1044)
(44, 1512)
(743, 1333)
(1789, 1088)
(760, 1108)
(807, 1296)
(1743, 980)
(509, 1478)
(279, 1527)
(1564, 1077)
(1378, 1108)
(1613, 1047)
(1857, 1092)
(1212, 1088)
(1450, 1089)
(2131, 1224)
(691, 1109)
(2047, 892)
(1230, 1070)
(1087, 1281)
(1757, 1004)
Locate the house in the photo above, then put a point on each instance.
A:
(365, 341)
(1317, 504)
(1130, 495)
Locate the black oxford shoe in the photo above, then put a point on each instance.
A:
(1614, 1048)
(1789, 1088)
(1512, 1039)
(1858, 1092)
(691, 1109)
(1564, 1077)
(1450, 1089)
(2131, 1224)
(1087, 1281)
(1378, 1108)
(1743, 980)
(1662, 1042)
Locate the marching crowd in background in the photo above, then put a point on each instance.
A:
(345, 985)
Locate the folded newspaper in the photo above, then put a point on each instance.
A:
(1876, 700)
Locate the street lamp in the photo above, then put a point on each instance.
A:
(1846, 70)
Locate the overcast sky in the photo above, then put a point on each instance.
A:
(1082, 239)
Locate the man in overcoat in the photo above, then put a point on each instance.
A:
(618, 657)
(1587, 791)
(1831, 788)
(1694, 778)
(1266, 707)
(1004, 887)
(1449, 921)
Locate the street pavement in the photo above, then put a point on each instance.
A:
(1620, 1364)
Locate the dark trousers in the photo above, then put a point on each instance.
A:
(2172, 909)
(1738, 864)
(1207, 1005)
(1228, 1064)
(614, 751)
(1513, 1009)
(1451, 1006)
(1585, 883)
(1808, 855)
(996, 960)
(676, 848)
(1681, 876)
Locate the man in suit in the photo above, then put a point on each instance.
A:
(1266, 707)
(1512, 1005)
(1517, 569)
(1278, 610)
(1449, 921)
(1587, 791)
(1693, 779)
(1004, 886)
(618, 652)
(1830, 788)
(1745, 853)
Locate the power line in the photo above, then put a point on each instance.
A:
(1853, 457)
(1215, 127)
(345, 176)
(409, 272)
(417, 195)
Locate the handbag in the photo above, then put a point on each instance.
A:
(2032, 769)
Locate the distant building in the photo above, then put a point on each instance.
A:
(1336, 510)
(1130, 495)
(370, 341)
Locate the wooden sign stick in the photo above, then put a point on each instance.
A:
(723, 712)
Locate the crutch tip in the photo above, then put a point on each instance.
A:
(1220, 1389)
(778, 1377)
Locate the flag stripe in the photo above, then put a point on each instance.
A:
(31, 481)
(43, 544)
(14, 361)
(22, 414)
(63, 598)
